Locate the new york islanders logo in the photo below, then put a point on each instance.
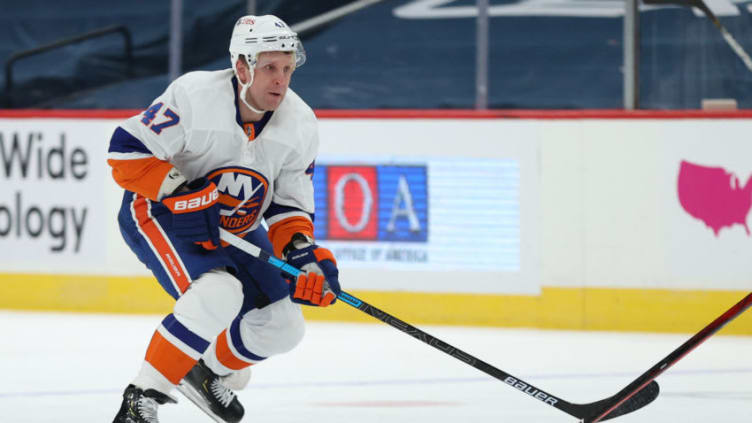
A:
(241, 194)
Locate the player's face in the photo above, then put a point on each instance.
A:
(271, 77)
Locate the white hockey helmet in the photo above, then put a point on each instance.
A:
(256, 34)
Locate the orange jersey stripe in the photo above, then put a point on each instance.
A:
(281, 232)
(142, 176)
(161, 244)
(168, 359)
(226, 356)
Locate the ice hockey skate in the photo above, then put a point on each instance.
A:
(208, 391)
(141, 406)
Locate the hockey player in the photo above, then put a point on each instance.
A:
(222, 149)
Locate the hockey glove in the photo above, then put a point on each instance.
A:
(195, 213)
(318, 285)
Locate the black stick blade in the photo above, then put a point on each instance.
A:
(642, 398)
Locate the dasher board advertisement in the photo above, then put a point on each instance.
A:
(421, 214)
(52, 175)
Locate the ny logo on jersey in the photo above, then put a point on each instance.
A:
(241, 195)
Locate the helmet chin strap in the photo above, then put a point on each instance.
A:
(244, 88)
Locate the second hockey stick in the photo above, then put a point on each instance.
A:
(680, 352)
(631, 398)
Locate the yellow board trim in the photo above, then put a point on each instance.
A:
(608, 309)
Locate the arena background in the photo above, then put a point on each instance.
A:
(551, 208)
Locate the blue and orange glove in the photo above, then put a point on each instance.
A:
(195, 213)
(318, 285)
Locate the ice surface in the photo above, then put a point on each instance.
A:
(73, 368)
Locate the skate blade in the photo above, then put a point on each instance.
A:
(196, 398)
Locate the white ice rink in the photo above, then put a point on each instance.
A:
(73, 368)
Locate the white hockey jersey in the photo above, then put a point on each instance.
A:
(195, 127)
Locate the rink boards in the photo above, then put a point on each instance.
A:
(575, 220)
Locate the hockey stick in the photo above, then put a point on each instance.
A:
(680, 352)
(730, 40)
(634, 397)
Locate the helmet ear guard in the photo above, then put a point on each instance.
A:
(236, 67)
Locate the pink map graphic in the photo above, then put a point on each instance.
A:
(714, 196)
